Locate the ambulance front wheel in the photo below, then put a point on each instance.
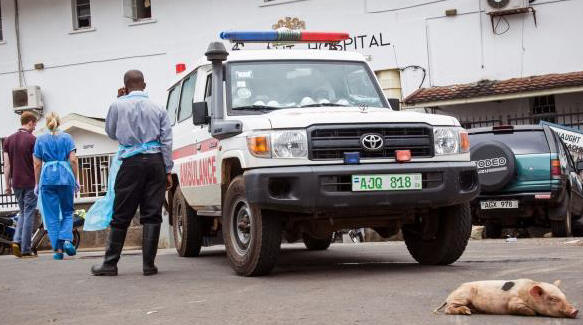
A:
(187, 227)
(252, 236)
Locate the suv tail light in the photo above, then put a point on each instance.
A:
(555, 168)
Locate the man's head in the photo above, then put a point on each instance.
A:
(28, 121)
(134, 80)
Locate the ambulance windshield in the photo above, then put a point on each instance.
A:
(269, 85)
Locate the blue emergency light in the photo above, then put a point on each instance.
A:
(352, 158)
(283, 35)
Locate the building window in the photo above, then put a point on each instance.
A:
(1, 31)
(543, 105)
(81, 14)
(138, 9)
(543, 109)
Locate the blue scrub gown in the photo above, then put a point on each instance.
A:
(56, 186)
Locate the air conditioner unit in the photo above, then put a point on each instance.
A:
(499, 5)
(27, 99)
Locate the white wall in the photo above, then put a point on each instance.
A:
(83, 70)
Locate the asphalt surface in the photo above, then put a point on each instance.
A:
(376, 283)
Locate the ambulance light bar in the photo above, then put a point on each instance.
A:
(287, 36)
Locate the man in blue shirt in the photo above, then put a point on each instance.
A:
(134, 120)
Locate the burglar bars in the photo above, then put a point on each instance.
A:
(93, 175)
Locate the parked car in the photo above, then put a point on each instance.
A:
(527, 178)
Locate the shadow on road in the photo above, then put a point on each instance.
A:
(339, 260)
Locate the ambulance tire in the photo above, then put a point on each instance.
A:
(187, 227)
(252, 236)
(449, 241)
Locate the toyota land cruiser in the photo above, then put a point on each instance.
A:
(301, 143)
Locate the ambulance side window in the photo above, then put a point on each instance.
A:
(207, 93)
(172, 105)
(186, 98)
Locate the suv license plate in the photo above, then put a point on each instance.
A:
(506, 204)
(386, 182)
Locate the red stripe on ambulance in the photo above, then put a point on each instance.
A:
(191, 149)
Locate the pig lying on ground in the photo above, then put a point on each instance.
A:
(516, 297)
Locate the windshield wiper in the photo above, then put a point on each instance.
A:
(261, 108)
(323, 104)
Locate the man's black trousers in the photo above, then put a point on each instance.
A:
(140, 182)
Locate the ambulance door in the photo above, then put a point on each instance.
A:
(207, 189)
(184, 135)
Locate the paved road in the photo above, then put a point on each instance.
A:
(348, 284)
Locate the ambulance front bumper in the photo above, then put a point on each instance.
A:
(324, 188)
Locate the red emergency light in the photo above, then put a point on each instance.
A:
(180, 67)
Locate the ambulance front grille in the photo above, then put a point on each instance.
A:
(330, 142)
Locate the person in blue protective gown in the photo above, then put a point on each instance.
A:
(55, 169)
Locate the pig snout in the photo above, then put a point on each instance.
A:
(573, 313)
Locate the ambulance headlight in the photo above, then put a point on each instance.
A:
(279, 144)
(289, 144)
(450, 140)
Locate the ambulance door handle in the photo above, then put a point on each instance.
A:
(198, 146)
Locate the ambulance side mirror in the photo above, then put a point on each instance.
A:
(200, 113)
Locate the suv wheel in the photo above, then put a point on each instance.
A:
(443, 246)
(316, 244)
(187, 227)
(563, 227)
(252, 236)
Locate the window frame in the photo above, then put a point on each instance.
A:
(177, 87)
(74, 8)
(182, 83)
(131, 10)
(1, 25)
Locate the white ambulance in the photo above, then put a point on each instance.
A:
(296, 144)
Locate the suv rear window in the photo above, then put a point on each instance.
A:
(520, 142)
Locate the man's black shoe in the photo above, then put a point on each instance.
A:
(150, 248)
(113, 250)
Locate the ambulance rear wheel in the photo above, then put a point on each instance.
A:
(252, 236)
(187, 227)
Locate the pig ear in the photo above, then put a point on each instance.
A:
(536, 291)
(557, 283)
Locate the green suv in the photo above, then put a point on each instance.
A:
(527, 178)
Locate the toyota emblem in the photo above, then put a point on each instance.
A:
(372, 142)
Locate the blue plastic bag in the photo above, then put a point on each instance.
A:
(99, 215)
